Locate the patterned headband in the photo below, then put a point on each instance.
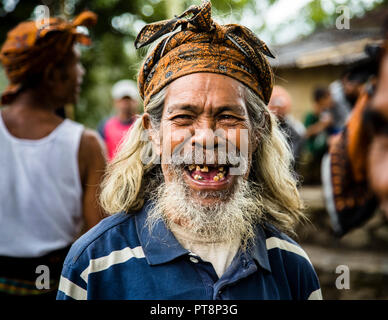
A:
(202, 45)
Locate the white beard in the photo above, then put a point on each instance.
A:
(232, 215)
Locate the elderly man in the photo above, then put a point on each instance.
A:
(203, 201)
(51, 167)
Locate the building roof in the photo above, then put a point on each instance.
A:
(332, 46)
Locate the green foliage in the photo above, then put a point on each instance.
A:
(112, 56)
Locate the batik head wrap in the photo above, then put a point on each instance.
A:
(202, 45)
(30, 48)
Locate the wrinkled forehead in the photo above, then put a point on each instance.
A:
(205, 89)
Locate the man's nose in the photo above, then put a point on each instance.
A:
(205, 138)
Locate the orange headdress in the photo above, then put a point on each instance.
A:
(29, 49)
(202, 45)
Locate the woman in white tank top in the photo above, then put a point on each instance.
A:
(50, 167)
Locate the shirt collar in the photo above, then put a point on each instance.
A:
(259, 249)
(160, 245)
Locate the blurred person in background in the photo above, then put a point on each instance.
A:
(318, 123)
(51, 167)
(126, 105)
(356, 171)
(341, 106)
(353, 82)
(280, 105)
(346, 91)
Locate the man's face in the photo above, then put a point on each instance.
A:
(126, 106)
(277, 106)
(196, 107)
(325, 103)
(351, 90)
(378, 152)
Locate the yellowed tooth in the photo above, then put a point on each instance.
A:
(198, 177)
(216, 178)
(191, 167)
(198, 168)
(221, 169)
(205, 169)
(220, 175)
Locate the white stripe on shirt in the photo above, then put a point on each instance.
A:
(274, 242)
(115, 257)
(71, 289)
(315, 295)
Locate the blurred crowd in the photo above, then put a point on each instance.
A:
(330, 111)
(341, 143)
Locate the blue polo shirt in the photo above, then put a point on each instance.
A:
(121, 259)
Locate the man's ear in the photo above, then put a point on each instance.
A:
(54, 76)
(152, 132)
(256, 140)
(50, 77)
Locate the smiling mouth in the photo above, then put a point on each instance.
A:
(208, 173)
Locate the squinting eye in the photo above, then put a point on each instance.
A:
(182, 116)
(227, 117)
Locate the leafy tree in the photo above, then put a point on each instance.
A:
(112, 56)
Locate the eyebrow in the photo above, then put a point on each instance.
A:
(185, 107)
(193, 108)
(233, 108)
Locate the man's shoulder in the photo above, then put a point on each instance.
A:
(91, 137)
(101, 125)
(287, 258)
(112, 233)
(91, 147)
(272, 231)
(279, 244)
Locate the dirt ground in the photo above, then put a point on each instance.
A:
(361, 255)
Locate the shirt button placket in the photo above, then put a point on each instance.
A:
(194, 260)
(218, 296)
